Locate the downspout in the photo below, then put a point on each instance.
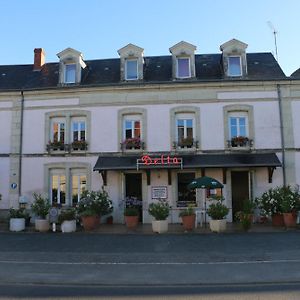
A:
(281, 133)
(21, 144)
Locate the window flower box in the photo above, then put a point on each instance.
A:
(132, 143)
(79, 146)
(56, 146)
(240, 141)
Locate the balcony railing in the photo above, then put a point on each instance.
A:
(58, 147)
(240, 142)
(186, 144)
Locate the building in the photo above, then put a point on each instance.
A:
(145, 126)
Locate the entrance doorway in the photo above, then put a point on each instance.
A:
(240, 190)
(133, 191)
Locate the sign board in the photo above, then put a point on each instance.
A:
(53, 215)
(162, 161)
(13, 185)
(159, 192)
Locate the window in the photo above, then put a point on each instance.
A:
(185, 195)
(234, 66)
(183, 67)
(58, 131)
(70, 73)
(78, 130)
(132, 132)
(238, 129)
(78, 186)
(58, 188)
(185, 133)
(131, 69)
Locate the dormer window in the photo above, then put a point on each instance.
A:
(131, 69)
(234, 66)
(234, 58)
(183, 67)
(70, 73)
(183, 60)
(70, 65)
(131, 62)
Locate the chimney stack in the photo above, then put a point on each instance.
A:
(39, 59)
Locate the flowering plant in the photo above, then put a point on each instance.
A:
(159, 210)
(239, 141)
(217, 210)
(279, 200)
(94, 203)
(132, 143)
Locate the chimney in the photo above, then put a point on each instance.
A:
(39, 59)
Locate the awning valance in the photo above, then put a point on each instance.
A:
(230, 160)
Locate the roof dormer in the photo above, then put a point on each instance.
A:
(183, 60)
(234, 58)
(70, 65)
(131, 62)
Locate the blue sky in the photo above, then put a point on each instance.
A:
(98, 28)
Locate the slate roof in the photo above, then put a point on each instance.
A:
(296, 74)
(157, 69)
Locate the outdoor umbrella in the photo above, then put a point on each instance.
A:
(205, 182)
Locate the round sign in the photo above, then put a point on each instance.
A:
(13, 185)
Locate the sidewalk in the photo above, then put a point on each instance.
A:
(173, 229)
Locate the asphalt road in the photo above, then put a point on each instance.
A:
(151, 261)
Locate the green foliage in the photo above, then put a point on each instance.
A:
(159, 210)
(218, 211)
(40, 206)
(279, 200)
(94, 203)
(67, 215)
(131, 211)
(17, 213)
(189, 211)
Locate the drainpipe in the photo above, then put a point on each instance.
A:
(21, 144)
(281, 133)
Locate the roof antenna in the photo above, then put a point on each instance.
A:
(275, 32)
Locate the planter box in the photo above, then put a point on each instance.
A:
(68, 226)
(42, 225)
(160, 226)
(16, 224)
(218, 225)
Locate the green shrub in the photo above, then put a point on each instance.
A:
(160, 210)
(67, 215)
(40, 206)
(131, 211)
(218, 211)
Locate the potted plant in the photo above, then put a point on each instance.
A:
(188, 217)
(246, 215)
(17, 218)
(67, 219)
(290, 202)
(218, 211)
(91, 206)
(131, 215)
(132, 143)
(40, 208)
(160, 211)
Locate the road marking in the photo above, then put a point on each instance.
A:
(152, 263)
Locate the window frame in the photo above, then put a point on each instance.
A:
(126, 68)
(230, 64)
(78, 120)
(238, 116)
(59, 121)
(177, 66)
(77, 173)
(66, 66)
(60, 173)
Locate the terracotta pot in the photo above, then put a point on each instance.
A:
(131, 221)
(90, 222)
(188, 222)
(289, 219)
(277, 220)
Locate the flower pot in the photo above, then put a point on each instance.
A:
(68, 226)
(16, 224)
(160, 226)
(131, 221)
(277, 220)
(289, 219)
(188, 222)
(90, 222)
(42, 225)
(218, 225)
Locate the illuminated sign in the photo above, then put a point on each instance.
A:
(159, 161)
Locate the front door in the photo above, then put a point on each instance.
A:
(240, 190)
(133, 191)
